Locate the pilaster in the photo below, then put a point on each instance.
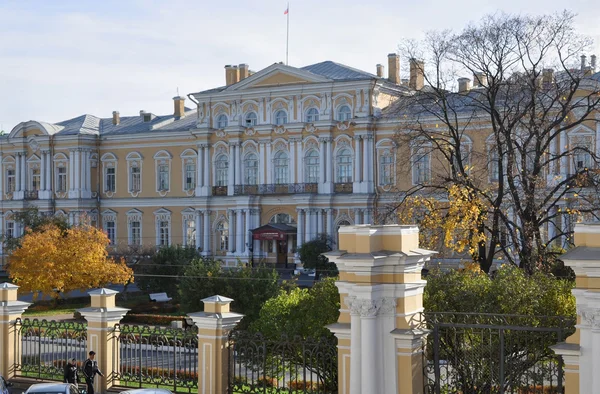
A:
(10, 338)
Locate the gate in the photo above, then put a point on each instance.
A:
(45, 346)
(261, 365)
(156, 357)
(485, 353)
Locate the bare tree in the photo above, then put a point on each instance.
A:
(523, 139)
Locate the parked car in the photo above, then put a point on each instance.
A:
(146, 391)
(4, 385)
(54, 388)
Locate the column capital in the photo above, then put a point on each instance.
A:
(368, 308)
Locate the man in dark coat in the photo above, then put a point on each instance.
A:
(71, 375)
(90, 369)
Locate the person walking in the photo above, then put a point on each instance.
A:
(71, 374)
(90, 370)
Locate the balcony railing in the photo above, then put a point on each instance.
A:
(283, 188)
(219, 190)
(31, 195)
(342, 188)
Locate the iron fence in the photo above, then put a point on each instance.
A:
(260, 365)
(45, 346)
(486, 353)
(275, 188)
(156, 357)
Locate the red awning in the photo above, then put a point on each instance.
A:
(273, 232)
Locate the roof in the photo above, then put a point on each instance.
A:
(277, 226)
(336, 71)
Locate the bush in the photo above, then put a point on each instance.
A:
(308, 385)
(266, 382)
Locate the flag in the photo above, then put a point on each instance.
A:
(286, 10)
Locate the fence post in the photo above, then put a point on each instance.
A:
(380, 343)
(214, 326)
(101, 317)
(581, 351)
(10, 338)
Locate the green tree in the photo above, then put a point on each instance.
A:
(249, 287)
(163, 272)
(311, 256)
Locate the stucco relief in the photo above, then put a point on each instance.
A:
(591, 317)
(250, 131)
(343, 125)
(310, 128)
(371, 308)
(279, 129)
(221, 133)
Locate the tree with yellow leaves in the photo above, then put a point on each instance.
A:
(52, 261)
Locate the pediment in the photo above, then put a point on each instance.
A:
(277, 75)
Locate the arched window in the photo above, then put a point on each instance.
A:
(282, 218)
(251, 119)
(386, 169)
(494, 164)
(222, 121)
(311, 164)
(251, 169)
(280, 117)
(312, 115)
(421, 165)
(223, 236)
(344, 166)
(281, 164)
(221, 170)
(344, 113)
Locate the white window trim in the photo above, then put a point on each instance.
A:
(246, 118)
(418, 146)
(8, 164)
(189, 156)
(160, 216)
(134, 215)
(226, 121)
(338, 109)
(110, 216)
(305, 164)
(162, 158)
(221, 150)
(108, 160)
(134, 159)
(306, 120)
(381, 152)
(61, 161)
(33, 162)
(336, 164)
(287, 116)
(572, 136)
(245, 167)
(287, 178)
(188, 215)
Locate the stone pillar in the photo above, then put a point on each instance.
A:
(581, 351)
(231, 170)
(321, 164)
(300, 160)
(269, 160)
(238, 165)
(330, 223)
(239, 232)
(561, 149)
(206, 183)
(379, 346)
(319, 221)
(300, 231)
(231, 223)
(292, 160)
(199, 170)
(1, 178)
(10, 338)
(198, 219)
(308, 230)
(206, 233)
(357, 216)
(24, 171)
(214, 326)
(49, 161)
(102, 316)
(261, 163)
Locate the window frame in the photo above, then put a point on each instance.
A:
(347, 166)
(423, 161)
(189, 168)
(162, 225)
(221, 169)
(280, 117)
(10, 186)
(347, 114)
(387, 173)
(253, 168)
(134, 160)
(251, 119)
(312, 117)
(311, 167)
(134, 216)
(281, 168)
(222, 121)
(109, 161)
(222, 236)
(162, 171)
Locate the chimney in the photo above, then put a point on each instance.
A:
(116, 118)
(394, 68)
(179, 103)
(417, 77)
(464, 85)
(593, 62)
(583, 62)
(380, 70)
(232, 75)
(244, 71)
(547, 78)
(479, 80)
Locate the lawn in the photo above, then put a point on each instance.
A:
(45, 309)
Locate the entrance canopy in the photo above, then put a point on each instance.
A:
(273, 231)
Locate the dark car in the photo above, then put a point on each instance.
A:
(4, 385)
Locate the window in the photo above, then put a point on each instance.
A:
(283, 218)
(221, 170)
(222, 121)
(465, 157)
(421, 166)
(280, 117)
(312, 115)
(163, 233)
(280, 165)
(386, 169)
(344, 166)
(135, 179)
(61, 179)
(344, 113)
(135, 233)
(582, 159)
(10, 181)
(190, 232)
(163, 177)
(190, 176)
(311, 162)
(251, 119)
(109, 227)
(10, 229)
(36, 181)
(251, 169)
(494, 164)
(109, 179)
(223, 236)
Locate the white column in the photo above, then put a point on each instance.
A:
(43, 171)
(357, 216)
(292, 160)
(319, 221)
(231, 223)
(300, 232)
(83, 170)
(231, 170)
(199, 168)
(330, 223)
(23, 171)
(561, 149)
(357, 160)
(321, 160)
(551, 225)
(239, 228)
(308, 225)
(198, 220)
(206, 182)
(330, 161)
(365, 156)
(89, 172)
(269, 164)
(597, 138)
(369, 380)
(261, 163)
(300, 160)
(1, 192)
(49, 161)
(552, 165)
(238, 164)
(355, 354)
(71, 169)
(595, 350)
(77, 173)
(247, 236)
(206, 233)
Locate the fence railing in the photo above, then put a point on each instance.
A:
(288, 365)
(486, 353)
(45, 346)
(275, 188)
(156, 357)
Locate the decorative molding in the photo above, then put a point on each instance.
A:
(364, 307)
(250, 131)
(221, 133)
(279, 129)
(345, 125)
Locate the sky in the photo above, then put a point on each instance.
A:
(63, 58)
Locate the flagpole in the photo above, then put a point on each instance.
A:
(287, 37)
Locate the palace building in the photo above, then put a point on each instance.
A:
(257, 167)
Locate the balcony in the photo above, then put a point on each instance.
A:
(31, 195)
(219, 190)
(271, 189)
(343, 188)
